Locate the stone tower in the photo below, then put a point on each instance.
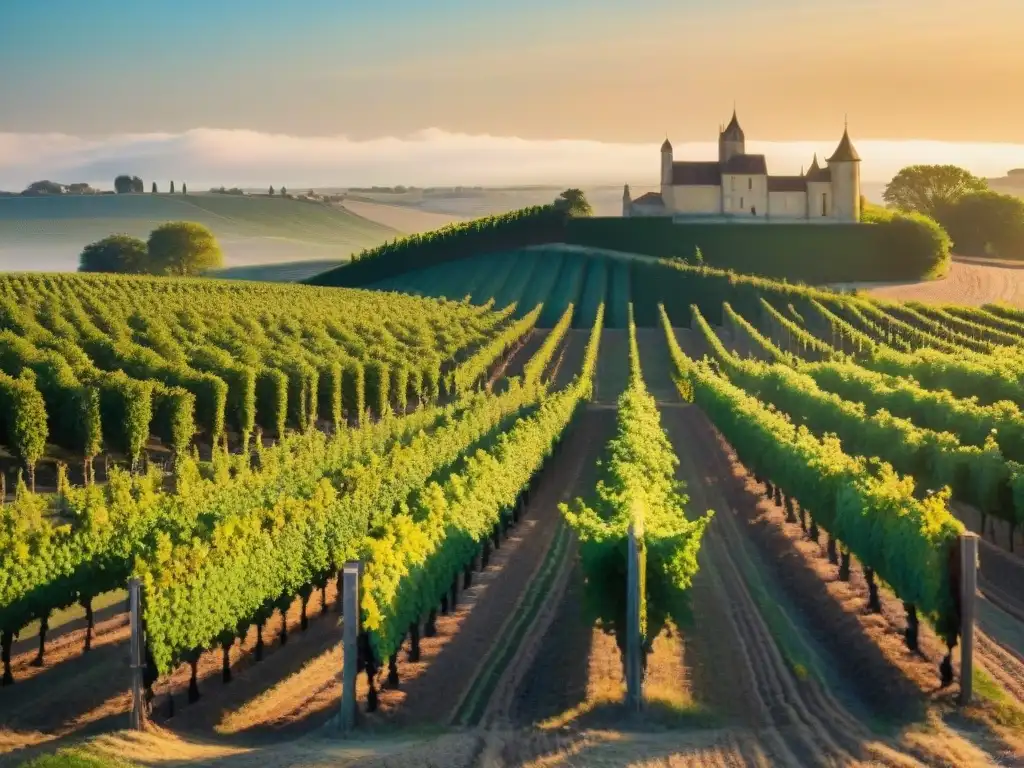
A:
(666, 173)
(819, 191)
(731, 141)
(845, 169)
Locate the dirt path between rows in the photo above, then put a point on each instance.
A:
(838, 657)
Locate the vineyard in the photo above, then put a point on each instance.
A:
(792, 471)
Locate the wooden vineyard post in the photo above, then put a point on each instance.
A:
(634, 674)
(135, 616)
(968, 590)
(350, 643)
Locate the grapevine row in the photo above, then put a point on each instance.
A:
(637, 491)
(865, 505)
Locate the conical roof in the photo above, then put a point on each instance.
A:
(845, 153)
(733, 130)
(667, 146)
(816, 172)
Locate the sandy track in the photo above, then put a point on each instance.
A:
(970, 281)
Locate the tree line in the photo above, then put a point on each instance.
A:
(979, 220)
(176, 248)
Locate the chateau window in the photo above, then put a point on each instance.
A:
(750, 183)
(741, 203)
(732, 181)
(824, 204)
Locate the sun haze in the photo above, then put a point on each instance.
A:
(600, 70)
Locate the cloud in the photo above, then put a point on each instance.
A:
(205, 157)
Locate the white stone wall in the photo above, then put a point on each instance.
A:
(787, 205)
(639, 209)
(742, 192)
(694, 199)
(846, 191)
(818, 191)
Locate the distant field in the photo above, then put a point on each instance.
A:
(401, 217)
(472, 203)
(47, 233)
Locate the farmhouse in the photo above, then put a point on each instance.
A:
(737, 186)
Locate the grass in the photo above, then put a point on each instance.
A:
(49, 232)
(74, 758)
(285, 272)
(995, 703)
(74, 612)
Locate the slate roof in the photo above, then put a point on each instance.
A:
(787, 184)
(845, 153)
(732, 130)
(817, 173)
(696, 173)
(747, 164)
(667, 146)
(650, 198)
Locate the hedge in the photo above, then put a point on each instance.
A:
(529, 226)
(887, 246)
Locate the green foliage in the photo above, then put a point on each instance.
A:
(575, 202)
(535, 367)
(473, 370)
(353, 390)
(529, 226)
(985, 223)
(418, 552)
(637, 490)
(125, 184)
(927, 189)
(861, 502)
(23, 418)
(117, 253)
(914, 243)
(895, 246)
(183, 248)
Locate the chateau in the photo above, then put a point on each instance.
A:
(737, 186)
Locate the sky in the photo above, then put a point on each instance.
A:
(173, 84)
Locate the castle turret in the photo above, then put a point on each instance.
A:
(666, 164)
(820, 198)
(666, 173)
(627, 202)
(844, 166)
(731, 141)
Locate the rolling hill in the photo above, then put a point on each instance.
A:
(47, 233)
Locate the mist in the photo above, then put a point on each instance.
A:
(205, 157)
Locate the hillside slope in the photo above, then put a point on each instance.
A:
(47, 233)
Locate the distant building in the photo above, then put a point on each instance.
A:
(737, 186)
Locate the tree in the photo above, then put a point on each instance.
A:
(154, 188)
(37, 188)
(927, 188)
(117, 253)
(137, 185)
(271, 190)
(986, 223)
(184, 188)
(123, 185)
(172, 187)
(575, 202)
(284, 192)
(183, 248)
